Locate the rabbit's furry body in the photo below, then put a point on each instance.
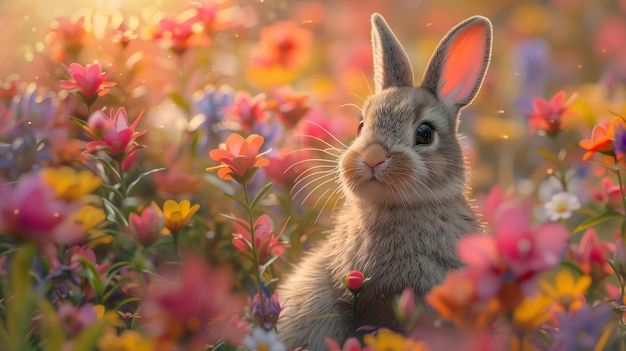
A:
(404, 180)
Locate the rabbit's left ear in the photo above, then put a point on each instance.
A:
(391, 64)
(458, 66)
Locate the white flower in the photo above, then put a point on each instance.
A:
(561, 206)
(262, 340)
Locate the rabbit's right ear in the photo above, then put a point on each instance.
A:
(391, 64)
(459, 64)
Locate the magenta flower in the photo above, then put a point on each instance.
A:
(30, 211)
(266, 242)
(89, 82)
(112, 134)
(146, 227)
(514, 253)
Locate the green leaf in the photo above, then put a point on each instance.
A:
(81, 123)
(260, 194)
(52, 335)
(550, 157)
(19, 310)
(125, 302)
(180, 101)
(88, 338)
(598, 219)
(238, 200)
(571, 264)
(109, 167)
(93, 276)
(108, 204)
(268, 263)
(141, 177)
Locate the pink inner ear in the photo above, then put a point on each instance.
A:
(463, 64)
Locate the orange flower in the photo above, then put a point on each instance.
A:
(602, 138)
(283, 43)
(455, 300)
(238, 156)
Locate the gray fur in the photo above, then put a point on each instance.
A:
(400, 221)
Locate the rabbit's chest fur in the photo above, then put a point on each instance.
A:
(397, 248)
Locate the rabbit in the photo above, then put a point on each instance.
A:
(404, 181)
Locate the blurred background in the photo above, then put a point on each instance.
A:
(539, 48)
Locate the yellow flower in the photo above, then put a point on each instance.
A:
(92, 219)
(177, 215)
(69, 184)
(567, 292)
(531, 313)
(129, 340)
(386, 340)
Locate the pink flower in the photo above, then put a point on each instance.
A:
(514, 253)
(192, 309)
(611, 195)
(267, 244)
(591, 255)
(352, 344)
(246, 111)
(179, 34)
(547, 116)
(88, 81)
(30, 211)
(146, 228)
(112, 134)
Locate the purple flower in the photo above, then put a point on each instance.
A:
(266, 319)
(619, 140)
(580, 329)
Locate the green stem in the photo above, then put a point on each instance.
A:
(255, 255)
(175, 240)
(621, 189)
(120, 169)
(354, 306)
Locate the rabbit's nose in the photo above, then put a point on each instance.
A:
(374, 155)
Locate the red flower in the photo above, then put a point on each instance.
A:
(289, 106)
(88, 81)
(547, 116)
(266, 242)
(112, 134)
(354, 280)
(238, 156)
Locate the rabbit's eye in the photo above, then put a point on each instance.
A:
(423, 134)
(358, 131)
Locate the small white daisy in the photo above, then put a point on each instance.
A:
(262, 340)
(561, 206)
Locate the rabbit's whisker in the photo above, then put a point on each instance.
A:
(317, 187)
(327, 151)
(327, 132)
(310, 160)
(307, 176)
(329, 174)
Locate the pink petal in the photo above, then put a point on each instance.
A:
(478, 250)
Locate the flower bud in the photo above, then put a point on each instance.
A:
(354, 280)
(619, 255)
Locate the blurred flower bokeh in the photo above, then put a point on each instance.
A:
(113, 235)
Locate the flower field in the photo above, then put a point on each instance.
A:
(164, 164)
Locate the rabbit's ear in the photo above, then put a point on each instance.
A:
(457, 68)
(391, 64)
